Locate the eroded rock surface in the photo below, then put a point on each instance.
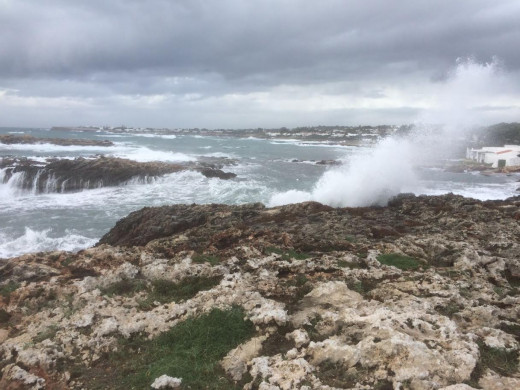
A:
(422, 294)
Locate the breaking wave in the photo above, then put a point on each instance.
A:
(389, 168)
(38, 241)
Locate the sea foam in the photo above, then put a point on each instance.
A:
(37, 241)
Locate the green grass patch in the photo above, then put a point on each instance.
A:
(124, 287)
(500, 360)
(399, 261)
(8, 288)
(287, 254)
(48, 333)
(163, 291)
(211, 259)
(191, 350)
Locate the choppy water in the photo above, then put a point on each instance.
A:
(266, 173)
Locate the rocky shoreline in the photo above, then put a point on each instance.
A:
(421, 294)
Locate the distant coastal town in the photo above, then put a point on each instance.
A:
(344, 135)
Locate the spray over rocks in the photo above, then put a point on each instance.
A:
(389, 168)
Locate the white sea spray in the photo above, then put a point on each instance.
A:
(389, 168)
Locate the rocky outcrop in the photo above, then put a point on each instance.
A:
(29, 139)
(422, 294)
(64, 175)
(212, 172)
(75, 175)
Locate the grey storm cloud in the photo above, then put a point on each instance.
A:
(237, 39)
(208, 48)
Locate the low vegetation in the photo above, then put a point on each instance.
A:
(48, 333)
(399, 261)
(336, 375)
(449, 309)
(4, 316)
(124, 287)
(502, 361)
(363, 286)
(8, 288)
(350, 265)
(211, 259)
(161, 290)
(190, 350)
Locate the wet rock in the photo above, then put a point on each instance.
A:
(64, 175)
(212, 172)
(328, 162)
(75, 175)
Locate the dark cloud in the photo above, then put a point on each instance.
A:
(97, 49)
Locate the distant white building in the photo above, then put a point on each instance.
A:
(499, 157)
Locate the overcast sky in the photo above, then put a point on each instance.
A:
(251, 63)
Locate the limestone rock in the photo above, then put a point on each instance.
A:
(235, 362)
(327, 313)
(166, 382)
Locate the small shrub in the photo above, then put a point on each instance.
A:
(348, 264)
(48, 333)
(303, 290)
(8, 288)
(68, 261)
(449, 309)
(335, 375)
(311, 330)
(301, 279)
(4, 316)
(211, 259)
(277, 342)
(363, 286)
(514, 281)
(399, 261)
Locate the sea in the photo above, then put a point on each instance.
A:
(271, 171)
